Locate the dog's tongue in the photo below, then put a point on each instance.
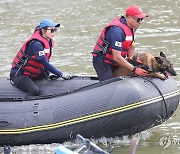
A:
(168, 75)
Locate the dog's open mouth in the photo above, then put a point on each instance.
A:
(167, 74)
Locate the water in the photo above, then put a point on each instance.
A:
(81, 23)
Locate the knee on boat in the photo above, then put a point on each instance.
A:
(34, 92)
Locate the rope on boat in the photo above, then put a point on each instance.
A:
(164, 102)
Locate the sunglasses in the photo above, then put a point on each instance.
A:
(137, 19)
(52, 30)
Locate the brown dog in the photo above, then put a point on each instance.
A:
(158, 66)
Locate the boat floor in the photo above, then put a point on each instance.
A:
(48, 88)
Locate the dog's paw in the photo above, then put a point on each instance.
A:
(162, 77)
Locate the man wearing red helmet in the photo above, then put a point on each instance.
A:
(116, 43)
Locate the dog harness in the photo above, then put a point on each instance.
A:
(135, 61)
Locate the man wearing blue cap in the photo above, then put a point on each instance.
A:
(32, 60)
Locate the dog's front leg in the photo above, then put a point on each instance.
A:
(154, 74)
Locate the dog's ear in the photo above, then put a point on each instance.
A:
(162, 54)
(159, 60)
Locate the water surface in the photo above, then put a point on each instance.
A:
(81, 23)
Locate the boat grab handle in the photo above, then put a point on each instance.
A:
(35, 113)
(36, 104)
(4, 123)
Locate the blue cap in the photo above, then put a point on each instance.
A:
(48, 23)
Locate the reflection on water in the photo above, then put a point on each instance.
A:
(81, 23)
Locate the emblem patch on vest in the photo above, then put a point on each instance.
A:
(41, 53)
(118, 44)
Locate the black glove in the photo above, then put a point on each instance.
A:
(66, 76)
(53, 77)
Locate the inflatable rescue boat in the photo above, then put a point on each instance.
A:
(83, 105)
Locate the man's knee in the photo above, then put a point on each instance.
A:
(34, 91)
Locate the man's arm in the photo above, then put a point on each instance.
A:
(116, 36)
(37, 49)
(50, 67)
(122, 62)
(131, 51)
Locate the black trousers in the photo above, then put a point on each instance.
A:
(25, 83)
(104, 71)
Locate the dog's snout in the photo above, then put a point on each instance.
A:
(172, 72)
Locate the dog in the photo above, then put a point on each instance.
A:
(157, 66)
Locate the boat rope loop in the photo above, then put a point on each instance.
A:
(164, 102)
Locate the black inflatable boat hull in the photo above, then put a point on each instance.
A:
(116, 107)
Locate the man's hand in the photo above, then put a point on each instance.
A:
(139, 71)
(66, 76)
(53, 77)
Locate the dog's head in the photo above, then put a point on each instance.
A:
(165, 65)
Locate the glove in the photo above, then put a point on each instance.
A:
(66, 76)
(139, 71)
(53, 77)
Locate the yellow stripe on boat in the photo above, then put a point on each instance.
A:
(89, 117)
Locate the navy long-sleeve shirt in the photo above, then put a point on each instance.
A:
(36, 48)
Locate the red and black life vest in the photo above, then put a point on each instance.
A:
(29, 65)
(102, 46)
